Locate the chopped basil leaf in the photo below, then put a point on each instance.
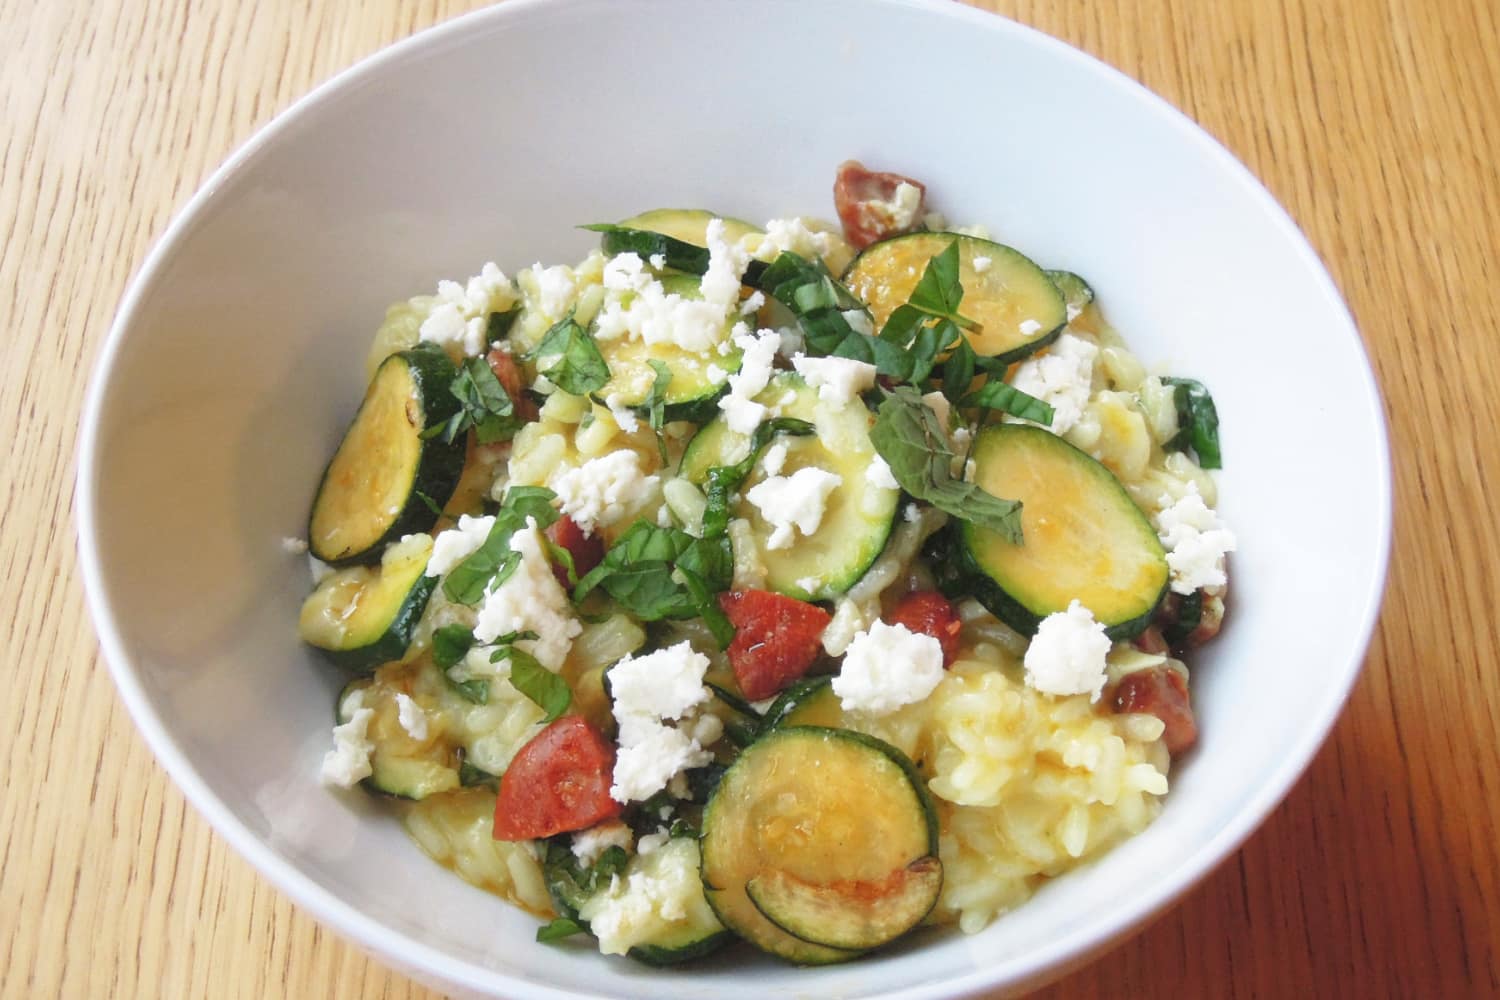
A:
(475, 691)
(1189, 617)
(550, 692)
(470, 776)
(819, 303)
(484, 405)
(656, 573)
(431, 504)
(913, 443)
(938, 291)
(612, 861)
(570, 359)
(1197, 421)
(497, 327)
(449, 644)
(494, 561)
(557, 930)
(723, 480)
(997, 395)
(733, 700)
(678, 255)
(656, 403)
(562, 557)
(958, 371)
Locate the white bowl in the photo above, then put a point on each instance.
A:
(236, 360)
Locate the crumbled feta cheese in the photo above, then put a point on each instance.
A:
(294, 546)
(636, 304)
(530, 600)
(938, 404)
(888, 666)
(603, 490)
(1029, 326)
(706, 729)
(589, 844)
(411, 716)
(453, 546)
(624, 417)
(960, 438)
(1196, 541)
(752, 303)
(859, 321)
(1060, 376)
(727, 261)
(774, 459)
(981, 264)
(556, 288)
(658, 261)
(650, 756)
(758, 352)
(1067, 654)
(666, 684)
(715, 374)
(838, 380)
(348, 763)
(808, 583)
(792, 501)
(461, 314)
(653, 842)
(912, 514)
(631, 908)
(789, 236)
(878, 474)
(901, 211)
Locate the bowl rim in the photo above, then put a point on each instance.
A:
(1065, 953)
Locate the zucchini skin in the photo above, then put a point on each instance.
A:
(438, 469)
(396, 638)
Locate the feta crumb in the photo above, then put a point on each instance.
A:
(838, 380)
(589, 844)
(752, 303)
(530, 600)
(808, 583)
(1060, 376)
(411, 716)
(556, 288)
(774, 459)
(294, 546)
(1067, 654)
(1196, 541)
(720, 284)
(653, 842)
(878, 474)
(666, 684)
(789, 236)
(888, 666)
(758, 352)
(1029, 326)
(603, 490)
(453, 546)
(912, 514)
(938, 404)
(715, 374)
(634, 907)
(981, 264)
(318, 569)
(792, 501)
(651, 755)
(461, 315)
(348, 763)
(900, 213)
(859, 321)
(637, 305)
(658, 261)
(624, 417)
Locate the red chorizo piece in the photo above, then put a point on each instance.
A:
(1162, 692)
(866, 203)
(776, 639)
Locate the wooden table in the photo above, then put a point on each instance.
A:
(1376, 122)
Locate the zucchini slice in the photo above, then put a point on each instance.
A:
(1076, 292)
(1018, 308)
(364, 616)
(808, 702)
(690, 225)
(820, 844)
(1085, 537)
(400, 767)
(858, 516)
(691, 394)
(632, 914)
(385, 480)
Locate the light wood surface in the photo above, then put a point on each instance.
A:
(1376, 122)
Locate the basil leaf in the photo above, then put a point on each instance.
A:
(475, 691)
(723, 480)
(612, 861)
(570, 359)
(656, 573)
(550, 692)
(497, 327)
(913, 443)
(470, 776)
(958, 371)
(557, 930)
(819, 303)
(449, 645)
(656, 403)
(1197, 420)
(484, 405)
(427, 501)
(996, 395)
(938, 291)
(1189, 617)
(494, 561)
(678, 255)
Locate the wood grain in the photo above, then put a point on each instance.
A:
(1376, 122)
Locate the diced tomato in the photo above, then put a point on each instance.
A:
(1162, 692)
(776, 639)
(928, 611)
(557, 783)
(863, 200)
(508, 371)
(587, 550)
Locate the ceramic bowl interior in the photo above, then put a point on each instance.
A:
(236, 361)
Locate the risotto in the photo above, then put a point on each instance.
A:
(799, 584)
